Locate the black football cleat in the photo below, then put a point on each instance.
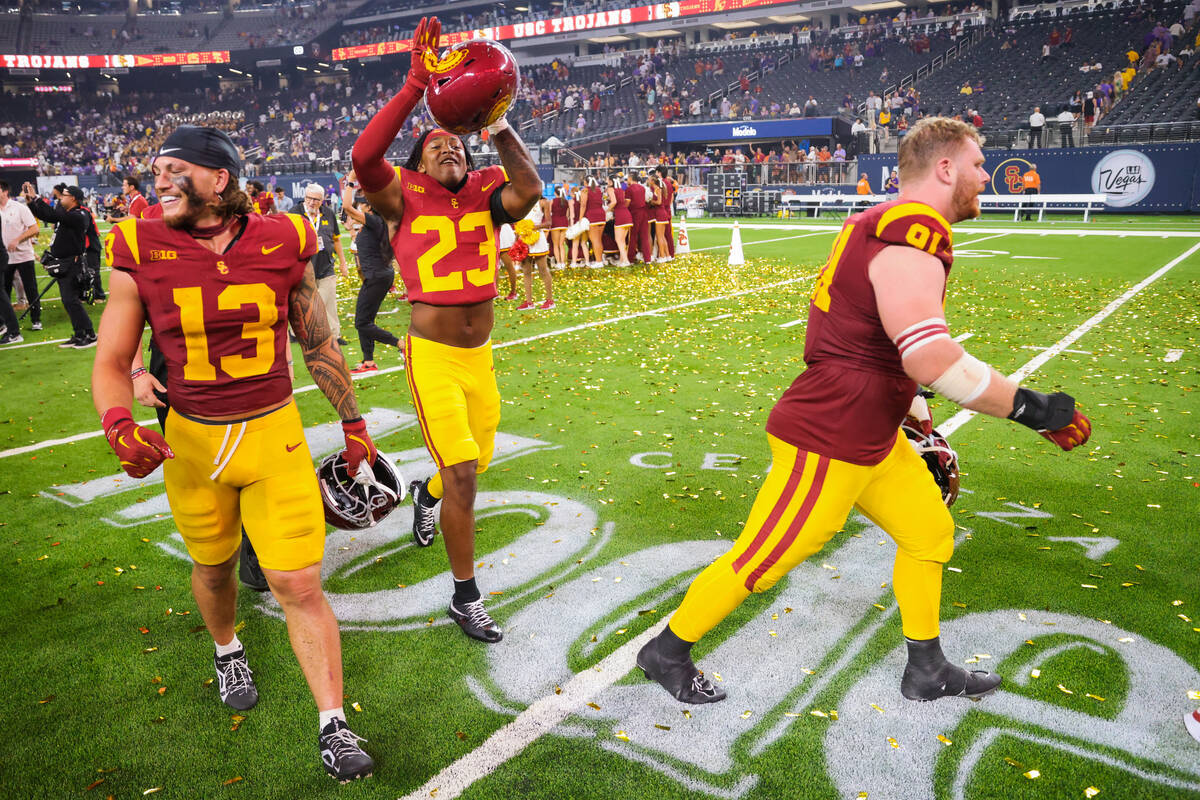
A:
(679, 677)
(475, 621)
(928, 675)
(344, 760)
(424, 513)
(235, 681)
(249, 571)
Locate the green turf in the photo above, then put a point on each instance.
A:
(82, 681)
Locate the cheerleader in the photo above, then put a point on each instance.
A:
(507, 238)
(622, 220)
(661, 216)
(593, 209)
(560, 219)
(539, 253)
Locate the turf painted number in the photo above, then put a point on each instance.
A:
(820, 295)
(198, 366)
(447, 243)
(920, 237)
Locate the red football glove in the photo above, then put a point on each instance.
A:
(424, 50)
(1071, 435)
(140, 449)
(359, 447)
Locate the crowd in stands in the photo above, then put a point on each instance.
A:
(316, 124)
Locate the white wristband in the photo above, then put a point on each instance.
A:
(497, 126)
(964, 380)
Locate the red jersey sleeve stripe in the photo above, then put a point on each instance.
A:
(914, 337)
(796, 525)
(785, 497)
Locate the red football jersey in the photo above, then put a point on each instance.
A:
(264, 203)
(137, 206)
(153, 212)
(850, 401)
(446, 242)
(637, 196)
(220, 319)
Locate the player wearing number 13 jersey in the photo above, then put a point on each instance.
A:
(442, 217)
(218, 286)
(876, 329)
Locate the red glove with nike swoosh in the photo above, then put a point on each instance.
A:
(140, 449)
(359, 447)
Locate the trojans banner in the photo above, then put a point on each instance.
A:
(567, 24)
(62, 61)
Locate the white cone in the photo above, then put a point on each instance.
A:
(681, 238)
(736, 257)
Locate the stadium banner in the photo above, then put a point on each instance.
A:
(751, 131)
(1151, 178)
(61, 61)
(565, 24)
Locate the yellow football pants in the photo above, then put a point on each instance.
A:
(803, 502)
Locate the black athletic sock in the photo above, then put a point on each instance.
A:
(925, 653)
(672, 646)
(465, 591)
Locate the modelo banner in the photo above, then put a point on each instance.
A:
(1149, 178)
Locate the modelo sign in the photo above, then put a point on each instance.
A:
(745, 130)
(1125, 176)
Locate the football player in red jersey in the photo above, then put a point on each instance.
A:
(876, 329)
(442, 216)
(218, 286)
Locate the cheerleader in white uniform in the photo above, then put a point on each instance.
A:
(539, 253)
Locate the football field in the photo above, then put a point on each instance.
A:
(631, 447)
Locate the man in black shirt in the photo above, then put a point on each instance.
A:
(91, 258)
(70, 241)
(375, 261)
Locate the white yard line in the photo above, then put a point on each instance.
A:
(794, 322)
(31, 344)
(1036, 347)
(961, 245)
(764, 241)
(653, 312)
(968, 231)
(962, 337)
(963, 416)
(545, 714)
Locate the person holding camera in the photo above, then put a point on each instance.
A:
(20, 231)
(64, 260)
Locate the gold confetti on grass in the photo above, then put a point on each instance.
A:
(662, 727)
(892, 741)
(238, 719)
(231, 781)
(1035, 673)
(815, 712)
(746, 714)
(1064, 689)
(1033, 774)
(947, 742)
(877, 708)
(45, 700)
(356, 707)
(687, 714)
(1091, 792)
(593, 705)
(1094, 697)
(152, 791)
(623, 736)
(93, 784)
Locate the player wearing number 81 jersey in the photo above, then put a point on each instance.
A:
(876, 329)
(442, 215)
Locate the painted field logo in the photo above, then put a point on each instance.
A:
(1126, 176)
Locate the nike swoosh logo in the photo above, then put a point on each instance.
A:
(291, 447)
(266, 251)
(488, 186)
(168, 150)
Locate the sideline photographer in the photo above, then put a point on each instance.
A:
(64, 260)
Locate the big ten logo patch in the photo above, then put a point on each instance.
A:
(1006, 177)
(163, 255)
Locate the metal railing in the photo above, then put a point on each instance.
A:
(824, 173)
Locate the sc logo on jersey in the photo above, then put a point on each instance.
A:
(1006, 177)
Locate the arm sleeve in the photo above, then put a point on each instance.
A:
(368, 155)
(500, 214)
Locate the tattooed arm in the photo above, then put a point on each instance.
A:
(324, 360)
(524, 187)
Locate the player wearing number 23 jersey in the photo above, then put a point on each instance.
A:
(442, 216)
